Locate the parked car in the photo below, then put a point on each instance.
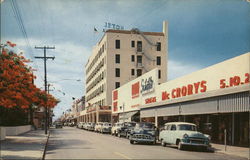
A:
(183, 134)
(143, 132)
(91, 127)
(115, 128)
(58, 124)
(85, 125)
(71, 124)
(106, 127)
(98, 126)
(125, 130)
(80, 125)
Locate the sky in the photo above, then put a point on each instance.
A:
(200, 33)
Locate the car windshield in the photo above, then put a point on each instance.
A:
(146, 125)
(131, 124)
(187, 127)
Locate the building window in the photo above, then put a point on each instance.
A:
(139, 59)
(132, 44)
(117, 72)
(133, 58)
(117, 44)
(159, 74)
(132, 72)
(117, 85)
(139, 46)
(158, 48)
(117, 58)
(139, 72)
(158, 61)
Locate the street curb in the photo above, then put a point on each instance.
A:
(45, 147)
(231, 154)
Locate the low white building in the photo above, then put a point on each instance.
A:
(215, 98)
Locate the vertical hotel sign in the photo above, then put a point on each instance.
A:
(115, 100)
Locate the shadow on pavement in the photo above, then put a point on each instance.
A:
(56, 143)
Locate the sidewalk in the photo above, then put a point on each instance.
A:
(29, 145)
(232, 150)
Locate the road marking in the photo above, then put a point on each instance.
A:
(122, 155)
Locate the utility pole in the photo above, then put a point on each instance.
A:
(49, 110)
(45, 79)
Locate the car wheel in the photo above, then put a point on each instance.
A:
(127, 136)
(163, 144)
(131, 142)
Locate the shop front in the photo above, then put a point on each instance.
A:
(220, 116)
(215, 98)
(133, 116)
(96, 114)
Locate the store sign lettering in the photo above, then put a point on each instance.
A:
(186, 90)
(147, 85)
(150, 100)
(113, 26)
(234, 81)
(115, 95)
(135, 89)
(115, 106)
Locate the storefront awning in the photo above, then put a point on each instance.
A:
(147, 113)
(126, 117)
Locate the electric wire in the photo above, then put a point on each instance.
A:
(21, 26)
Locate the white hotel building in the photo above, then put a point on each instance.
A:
(119, 57)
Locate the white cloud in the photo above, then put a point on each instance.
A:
(177, 69)
(62, 73)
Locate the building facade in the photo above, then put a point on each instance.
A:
(119, 57)
(215, 98)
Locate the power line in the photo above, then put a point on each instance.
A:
(21, 26)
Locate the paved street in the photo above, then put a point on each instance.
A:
(73, 143)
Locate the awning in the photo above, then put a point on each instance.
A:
(147, 113)
(169, 110)
(126, 117)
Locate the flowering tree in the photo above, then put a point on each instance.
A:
(17, 90)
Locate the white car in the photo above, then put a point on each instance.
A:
(183, 134)
(80, 125)
(115, 128)
(85, 125)
(106, 127)
(98, 126)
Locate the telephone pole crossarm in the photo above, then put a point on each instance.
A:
(46, 57)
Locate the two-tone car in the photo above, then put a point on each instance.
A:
(183, 134)
(80, 125)
(91, 126)
(115, 128)
(143, 132)
(98, 127)
(106, 127)
(125, 130)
